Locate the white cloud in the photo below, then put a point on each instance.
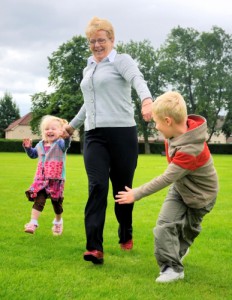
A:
(31, 30)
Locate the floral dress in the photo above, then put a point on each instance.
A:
(50, 173)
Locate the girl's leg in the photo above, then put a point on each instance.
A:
(38, 206)
(57, 228)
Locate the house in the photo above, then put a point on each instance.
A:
(21, 129)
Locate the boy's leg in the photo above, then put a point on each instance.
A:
(168, 230)
(177, 227)
(192, 225)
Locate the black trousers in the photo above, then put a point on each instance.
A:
(109, 153)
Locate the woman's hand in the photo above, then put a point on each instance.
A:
(125, 197)
(67, 131)
(147, 109)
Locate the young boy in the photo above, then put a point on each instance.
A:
(194, 184)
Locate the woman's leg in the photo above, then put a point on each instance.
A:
(96, 158)
(123, 145)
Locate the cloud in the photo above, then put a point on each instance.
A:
(31, 30)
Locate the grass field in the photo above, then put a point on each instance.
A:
(45, 267)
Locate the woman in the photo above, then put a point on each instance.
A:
(110, 144)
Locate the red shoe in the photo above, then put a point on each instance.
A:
(127, 246)
(95, 256)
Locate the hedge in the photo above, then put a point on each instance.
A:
(75, 148)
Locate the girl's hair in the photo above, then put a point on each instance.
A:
(48, 119)
(170, 104)
(97, 24)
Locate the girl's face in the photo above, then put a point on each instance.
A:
(100, 45)
(52, 131)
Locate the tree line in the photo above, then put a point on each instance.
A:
(197, 64)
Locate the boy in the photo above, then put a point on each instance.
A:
(194, 184)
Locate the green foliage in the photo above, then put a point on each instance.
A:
(9, 112)
(65, 74)
(199, 65)
(148, 62)
(42, 266)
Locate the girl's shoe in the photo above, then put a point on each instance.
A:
(30, 228)
(57, 229)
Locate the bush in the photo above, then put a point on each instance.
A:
(76, 147)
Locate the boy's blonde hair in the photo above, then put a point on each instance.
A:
(97, 24)
(170, 104)
(48, 119)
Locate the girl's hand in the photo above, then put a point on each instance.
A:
(125, 197)
(27, 143)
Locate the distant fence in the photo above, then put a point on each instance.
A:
(76, 148)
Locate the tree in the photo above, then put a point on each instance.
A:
(227, 126)
(148, 62)
(199, 65)
(65, 74)
(9, 112)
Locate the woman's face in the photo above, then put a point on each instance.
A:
(100, 45)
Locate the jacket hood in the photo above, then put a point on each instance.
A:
(197, 132)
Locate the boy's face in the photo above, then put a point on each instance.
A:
(164, 126)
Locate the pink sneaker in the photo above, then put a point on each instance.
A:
(30, 228)
(57, 229)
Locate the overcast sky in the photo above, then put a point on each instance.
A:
(30, 30)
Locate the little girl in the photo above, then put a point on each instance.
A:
(50, 174)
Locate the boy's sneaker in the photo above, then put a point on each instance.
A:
(186, 253)
(30, 228)
(169, 275)
(57, 229)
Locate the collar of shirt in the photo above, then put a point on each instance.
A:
(110, 57)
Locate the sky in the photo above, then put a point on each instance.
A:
(31, 30)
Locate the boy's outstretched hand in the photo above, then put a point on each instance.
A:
(125, 197)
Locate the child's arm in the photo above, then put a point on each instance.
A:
(31, 152)
(64, 143)
(172, 174)
(125, 197)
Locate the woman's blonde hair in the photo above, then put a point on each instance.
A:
(170, 104)
(48, 119)
(97, 24)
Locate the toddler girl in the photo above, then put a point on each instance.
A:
(50, 174)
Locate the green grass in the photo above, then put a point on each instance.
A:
(45, 267)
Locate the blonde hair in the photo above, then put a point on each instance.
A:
(46, 120)
(97, 24)
(170, 104)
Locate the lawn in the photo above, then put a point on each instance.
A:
(45, 267)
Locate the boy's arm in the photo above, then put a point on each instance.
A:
(172, 174)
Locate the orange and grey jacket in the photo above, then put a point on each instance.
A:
(190, 167)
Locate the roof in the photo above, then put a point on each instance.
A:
(24, 121)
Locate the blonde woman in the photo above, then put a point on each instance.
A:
(110, 144)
